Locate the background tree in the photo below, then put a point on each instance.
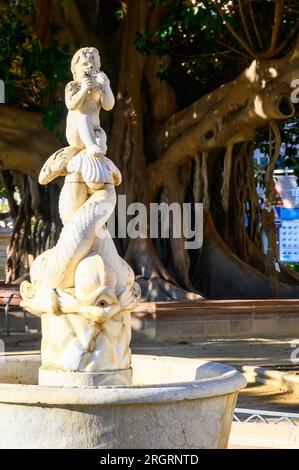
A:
(200, 85)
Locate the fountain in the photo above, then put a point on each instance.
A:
(86, 390)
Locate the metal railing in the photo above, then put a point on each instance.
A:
(267, 417)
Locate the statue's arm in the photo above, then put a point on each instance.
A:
(75, 95)
(108, 100)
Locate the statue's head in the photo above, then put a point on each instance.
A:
(85, 60)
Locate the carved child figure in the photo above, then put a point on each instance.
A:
(85, 96)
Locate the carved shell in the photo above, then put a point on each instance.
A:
(94, 169)
(56, 164)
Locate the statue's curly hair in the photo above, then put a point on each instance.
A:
(82, 52)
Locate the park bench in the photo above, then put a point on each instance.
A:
(10, 299)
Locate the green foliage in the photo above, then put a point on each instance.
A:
(51, 116)
(203, 50)
(2, 189)
(191, 33)
(293, 267)
(120, 10)
(205, 53)
(31, 72)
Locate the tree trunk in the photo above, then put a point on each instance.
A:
(199, 154)
(154, 146)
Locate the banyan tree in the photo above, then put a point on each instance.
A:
(199, 86)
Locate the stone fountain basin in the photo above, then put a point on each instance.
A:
(173, 403)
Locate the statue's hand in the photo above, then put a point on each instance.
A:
(103, 81)
(86, 84)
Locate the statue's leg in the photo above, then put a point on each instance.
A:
(101, 139)
(73, 136)
(87, 134)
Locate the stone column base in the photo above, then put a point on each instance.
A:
(121, 377)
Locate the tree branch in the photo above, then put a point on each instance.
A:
(273, 158)
(226, 177)
(77, 23)
(244, 23)
(41, 21)
(277, 20)
(284, 43)
(236, 35)
(254, 24)
(24, 143)
(233, 49)
(226, 116)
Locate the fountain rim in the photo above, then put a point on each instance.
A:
(227, 380)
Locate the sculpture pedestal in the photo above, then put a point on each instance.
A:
(85, 379)
(79, 353)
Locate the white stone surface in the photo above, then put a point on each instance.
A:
(85, 96)
(83, 290)
(85, 379)
(182, 404)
